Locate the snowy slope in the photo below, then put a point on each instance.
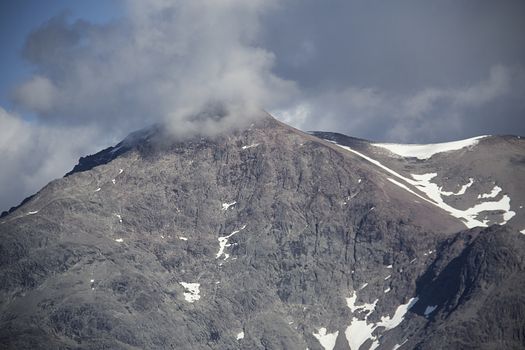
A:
(426, 151)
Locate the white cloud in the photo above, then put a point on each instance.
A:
(431, 114)
(166, 61)
(193, 64)
(37, 94)
(33, 155)
(475, 95)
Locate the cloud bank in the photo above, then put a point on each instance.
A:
(33, 155)
(167, 61)
(431, 114)
(194, 65)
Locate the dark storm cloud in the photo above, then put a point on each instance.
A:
(430, 114)
(397, 51)
(402, 45)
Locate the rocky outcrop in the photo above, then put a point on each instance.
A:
(475, 292)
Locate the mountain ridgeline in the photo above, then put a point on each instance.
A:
(271, 238)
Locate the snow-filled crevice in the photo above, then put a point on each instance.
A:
(192, 292)
(223, 244)
(361, 330)
(432, 193)
(327, 340)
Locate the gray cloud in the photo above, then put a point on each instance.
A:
(165, 61)
(193, 64)
(405, 71)
(405, 52)
(432, 114)
(405, 45)
(32, 155)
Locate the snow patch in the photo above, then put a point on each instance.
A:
(32, 212)
(120, 171)
(119, 240)
(223, 243)
(495, 191)
(363, 286)
(387, 290)
(399, 315)
(430, 309)
(350, 302)
(426, 151)
(434, 193)
(250, 146)
(388, 277)
(469, 216)
(522, 231)
(359, 331)
(397, 183)
(98, 189)
(114, 181)
(192, 291)
(226, 206)
(183, 238)
(91, 281)
(389, 267)
(240, 335)
(327, 340)
(397, 346)
(461, 191)
(119, 217)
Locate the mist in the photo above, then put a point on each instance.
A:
(165, 61)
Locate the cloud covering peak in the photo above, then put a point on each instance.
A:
(165, 61)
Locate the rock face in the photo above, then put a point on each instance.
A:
(267, 238)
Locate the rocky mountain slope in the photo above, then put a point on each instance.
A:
(478, 180)
(268, 238)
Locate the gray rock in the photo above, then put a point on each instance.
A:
(96, 260)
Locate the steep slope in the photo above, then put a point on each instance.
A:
(267, 238)
(476, 299)
(477, 180)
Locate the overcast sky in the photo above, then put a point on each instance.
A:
(79, 76)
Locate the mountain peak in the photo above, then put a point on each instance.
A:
(264, 237)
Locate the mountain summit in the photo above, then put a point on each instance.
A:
(270, 238)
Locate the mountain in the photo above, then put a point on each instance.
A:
(464, 177)
(270, 238)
